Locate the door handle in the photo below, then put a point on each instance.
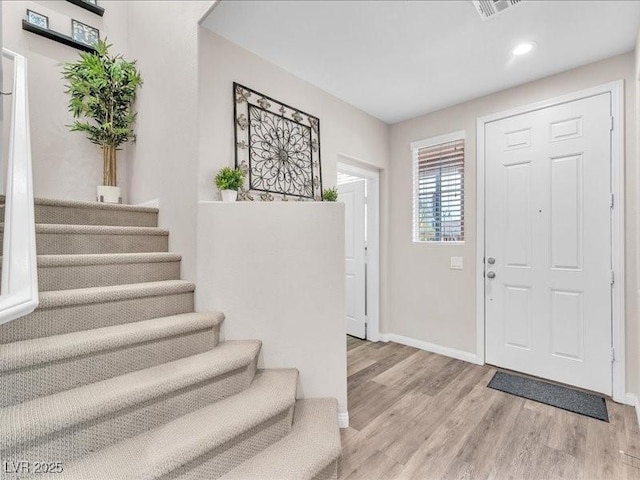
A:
(491, 274)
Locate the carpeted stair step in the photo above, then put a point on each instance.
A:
(64, 272)
(75, 422)
(66, 311)
(44, 366)
(70, 212)
(204, 444)
(88, 239)
(309, 452)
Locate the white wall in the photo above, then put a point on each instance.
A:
(65, 164)
(635, 390)
(163, 163)
(175, 105)
(344, 129)
(298, 312)
(185, 135)
(277, 272)
(430, 302)
(162, 37)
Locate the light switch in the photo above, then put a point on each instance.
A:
(457, 263)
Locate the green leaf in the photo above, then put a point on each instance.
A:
(102, 89)
(229, 178)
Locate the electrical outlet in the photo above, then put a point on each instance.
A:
(457, 263)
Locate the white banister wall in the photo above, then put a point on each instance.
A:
(276, 269)
(19, 288)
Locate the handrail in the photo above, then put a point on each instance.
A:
(19, 287)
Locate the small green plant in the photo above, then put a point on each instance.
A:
(229, 178)
(330, 195)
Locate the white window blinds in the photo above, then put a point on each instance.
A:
(438, 201)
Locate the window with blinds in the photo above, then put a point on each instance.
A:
(438, 201)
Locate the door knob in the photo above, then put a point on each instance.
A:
(491, 274)
(491, 260)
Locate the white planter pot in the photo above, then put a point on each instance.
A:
(229, 195)
(109, 194)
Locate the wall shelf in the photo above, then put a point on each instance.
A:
(88, 6)
(56, 37)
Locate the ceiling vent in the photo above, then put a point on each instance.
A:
(490, 8)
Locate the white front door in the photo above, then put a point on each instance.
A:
(352, 195)
(548, 243)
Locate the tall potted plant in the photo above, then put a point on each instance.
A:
(102, 91)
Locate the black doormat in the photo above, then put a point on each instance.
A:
(558, 396)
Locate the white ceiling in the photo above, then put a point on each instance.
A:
(399, 59)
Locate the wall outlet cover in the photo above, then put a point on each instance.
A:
(457, 263)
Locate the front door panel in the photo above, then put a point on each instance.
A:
(548, 232)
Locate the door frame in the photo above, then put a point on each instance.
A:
(616, 90)
(353, 166)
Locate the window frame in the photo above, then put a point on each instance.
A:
(430, 142)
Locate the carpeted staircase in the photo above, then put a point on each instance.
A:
(116, 377)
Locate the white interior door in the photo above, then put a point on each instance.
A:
(548, 243)
(352, 195)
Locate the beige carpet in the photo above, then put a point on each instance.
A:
(116, 377)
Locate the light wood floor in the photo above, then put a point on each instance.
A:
(418, 415)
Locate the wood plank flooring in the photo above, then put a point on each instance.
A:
(418, 415)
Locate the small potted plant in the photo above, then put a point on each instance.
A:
(102, 90)
(228, 181)
(330, 195)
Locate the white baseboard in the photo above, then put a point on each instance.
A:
(343, 420)
(632, 399)
(431, 347)
(155, 203)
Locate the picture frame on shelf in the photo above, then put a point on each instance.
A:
(83, 33)
(90, 5)
(37, 19)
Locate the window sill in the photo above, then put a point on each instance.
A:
(418, 242)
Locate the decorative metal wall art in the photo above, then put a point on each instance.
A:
(277, 148)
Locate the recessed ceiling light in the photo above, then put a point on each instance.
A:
(523, 48)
